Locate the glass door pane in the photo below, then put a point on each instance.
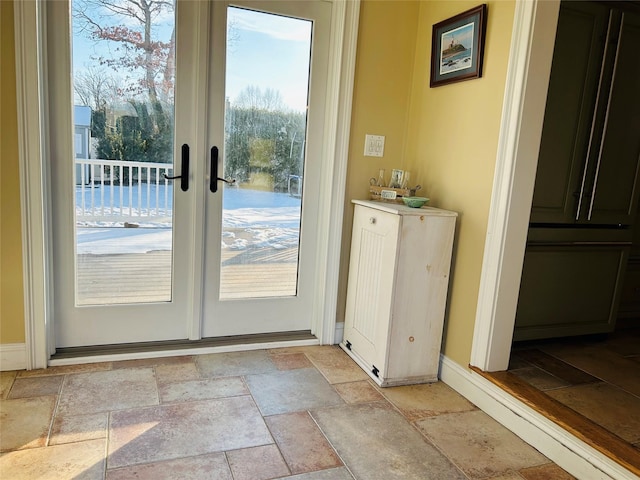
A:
(123, 83)
(267, 90)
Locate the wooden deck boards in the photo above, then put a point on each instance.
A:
(146, 277)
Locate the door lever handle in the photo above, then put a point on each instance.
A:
(213, 178)
(184, 173)
(229, 181)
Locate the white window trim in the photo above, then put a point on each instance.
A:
(33, 188)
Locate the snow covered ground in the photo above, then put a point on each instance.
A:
(251, 219)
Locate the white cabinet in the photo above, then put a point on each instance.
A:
(397, 291)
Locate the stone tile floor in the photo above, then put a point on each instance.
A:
(597, 376)
(305, 413)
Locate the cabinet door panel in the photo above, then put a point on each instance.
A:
(569, 290)
(372, 270)
(630, 296)
(575, 72)
(616, 186)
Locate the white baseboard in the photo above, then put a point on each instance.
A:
(569, 452)
(13, 356)
(339, 333)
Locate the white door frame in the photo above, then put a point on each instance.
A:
(532, 42)
(35, 191)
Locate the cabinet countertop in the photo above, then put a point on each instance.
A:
(400, 209)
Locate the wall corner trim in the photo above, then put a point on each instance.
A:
(345, 22)
(32, 190)
(516, 161)
(13, 356)
(567, 451)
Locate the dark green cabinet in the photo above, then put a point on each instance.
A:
(629, 310)
(569, 290)
(616, 187)
(590, 149)
(587, 182)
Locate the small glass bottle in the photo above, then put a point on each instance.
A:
(406, 176)
(380, 182)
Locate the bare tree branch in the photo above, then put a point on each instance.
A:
(129, 23)
(95, 88)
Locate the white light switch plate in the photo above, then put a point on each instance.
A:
(373, 145)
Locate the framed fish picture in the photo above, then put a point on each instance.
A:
(457, 47)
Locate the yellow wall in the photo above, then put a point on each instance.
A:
(11, 289)
(451, 150)
(384, 65)
(446, 136)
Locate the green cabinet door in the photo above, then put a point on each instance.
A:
(569, 290)
(571, 99)
(615, 190)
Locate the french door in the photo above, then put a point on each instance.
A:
(266, 221)
(184, 171)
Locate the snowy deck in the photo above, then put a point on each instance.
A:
(115, 264)
(124, 278)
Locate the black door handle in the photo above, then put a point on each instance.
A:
(213, 178)
(184, 172)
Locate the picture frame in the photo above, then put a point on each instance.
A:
(396, 178)
(457, 47)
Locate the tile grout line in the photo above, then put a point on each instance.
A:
(431, 442)
(388, 401)
(55, 409)
(66, 381)
(279, 451)
(568, 364)
(599, 379)
(13, 382)
(107, 437)
(575, 366)
(226, 459)
(262, 416)
(155, 380)
(436, 446)
(344, 464)
(310, 415)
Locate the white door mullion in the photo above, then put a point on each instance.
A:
(191, 127)
(215, 137)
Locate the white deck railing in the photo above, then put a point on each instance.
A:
(116, 191)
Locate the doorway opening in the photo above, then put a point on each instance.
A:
(494, 355)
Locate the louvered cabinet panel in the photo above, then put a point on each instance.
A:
(397, 290)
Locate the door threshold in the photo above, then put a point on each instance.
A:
(610, 445)
(173, 348)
